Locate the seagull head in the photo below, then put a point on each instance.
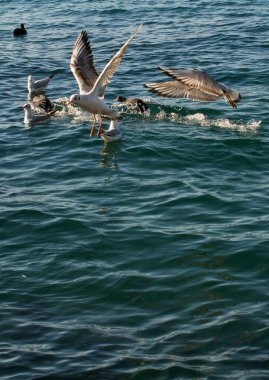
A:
(74, 99)
(27, 112)
(26, 106)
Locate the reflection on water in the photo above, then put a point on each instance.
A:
(110, 152)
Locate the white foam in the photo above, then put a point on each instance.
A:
(202, 120)
(196, 117)
(77, 115)
(239, 126)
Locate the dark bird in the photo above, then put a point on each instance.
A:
(43, 102)
(133, 103)
(20, 31)
(193, 84)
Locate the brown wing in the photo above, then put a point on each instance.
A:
(197, 79)
(176, 89)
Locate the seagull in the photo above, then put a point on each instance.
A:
(38, 86)
(41, 101)
(30, 118)
(133, 103)
(113, 133)
(20, 31)
(92, 85)
(193, 84)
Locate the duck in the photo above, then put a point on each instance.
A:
(133, 103)
(91, 85)
(30, 118)
(113, 133)
(193, 84)
(20, 31)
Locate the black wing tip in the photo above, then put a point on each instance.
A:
(52, 75)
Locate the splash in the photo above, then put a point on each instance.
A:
(65, 110)
(182, 116)
(159, 112)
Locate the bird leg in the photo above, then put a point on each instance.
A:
(93, 126)
(100, 127)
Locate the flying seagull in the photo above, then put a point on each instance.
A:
(193, 84)
(92, 85)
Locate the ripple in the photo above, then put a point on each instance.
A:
(145, 258)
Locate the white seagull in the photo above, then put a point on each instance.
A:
(113, 133)
(193, 84)
(92, 85)
(30, 118)
(39, 86)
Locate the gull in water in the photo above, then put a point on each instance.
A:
(193, 84)
(133, 103)
(41, 101)
(39, 86)
(92, 85)
(30, 118)
(113, 133)
(20, 31)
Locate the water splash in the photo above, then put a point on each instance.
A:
(159, 112)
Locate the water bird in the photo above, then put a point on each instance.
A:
(38, 86)
(30, 118)
(41, 101)
(193, 84)
(92, 85)
(20, 31)
(133, 103)
(113, 133)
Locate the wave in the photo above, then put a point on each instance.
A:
(161, 112)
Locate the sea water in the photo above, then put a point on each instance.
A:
(145, 258)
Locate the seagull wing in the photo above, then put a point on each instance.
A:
(176, 89)
(111, 67)
(82, 65)
(41, 118)
(41, 84)
(195, 79)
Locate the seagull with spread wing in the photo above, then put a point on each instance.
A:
(92, 85)
(39, 86)
(193, 84)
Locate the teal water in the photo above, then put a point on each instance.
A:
(145, 258)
